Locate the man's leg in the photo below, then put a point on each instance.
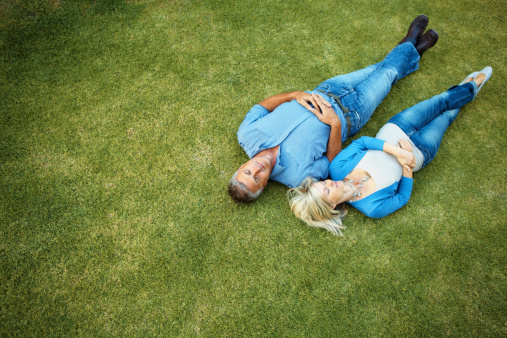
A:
(354, 79)
(365, 97)
(362, 91)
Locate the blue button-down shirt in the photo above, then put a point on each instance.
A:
(301, 136)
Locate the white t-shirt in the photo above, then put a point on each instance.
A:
(383, 167)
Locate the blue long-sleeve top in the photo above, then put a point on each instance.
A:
(382, 202)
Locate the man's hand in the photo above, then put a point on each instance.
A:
(327, 115)
(304, 99)
(405, 155)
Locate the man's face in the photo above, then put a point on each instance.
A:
(254, 174)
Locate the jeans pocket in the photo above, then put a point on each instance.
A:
(337, 90)
(355, 123)
(426, 156)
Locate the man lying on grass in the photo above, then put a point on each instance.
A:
(291, 136)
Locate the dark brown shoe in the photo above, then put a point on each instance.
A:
(428, 40)
(417, 27)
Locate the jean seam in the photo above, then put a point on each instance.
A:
(426, 155)
(411, 132)
(356, 122)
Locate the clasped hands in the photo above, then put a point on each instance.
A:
(321, 108)
(405, 156)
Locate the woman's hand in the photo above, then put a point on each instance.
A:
(405, 156)
(327, 115)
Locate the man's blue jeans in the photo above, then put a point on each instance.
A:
(426, 122)
(363, 90)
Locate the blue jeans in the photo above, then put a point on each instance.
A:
(363, 90)
(426, 122)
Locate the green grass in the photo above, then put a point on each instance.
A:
(118, 136)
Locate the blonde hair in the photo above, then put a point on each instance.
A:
(308, 204)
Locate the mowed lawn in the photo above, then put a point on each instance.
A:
(118, 137)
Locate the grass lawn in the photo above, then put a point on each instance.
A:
(118, 137)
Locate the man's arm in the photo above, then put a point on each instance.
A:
(303, 98)
(329, 117)
(334, 144)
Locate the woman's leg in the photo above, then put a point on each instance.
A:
(426, 122)
(429, 138)
(413, 119)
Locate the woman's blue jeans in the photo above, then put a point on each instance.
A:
(426, 122)
(363, 90)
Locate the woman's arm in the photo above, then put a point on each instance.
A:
(403, 153)
(391, 203)
(348, 157)
(407, 173)
(402, 195)
(407, 147)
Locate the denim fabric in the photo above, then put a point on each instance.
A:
(426, 122)
(363, 90)
(302, 137)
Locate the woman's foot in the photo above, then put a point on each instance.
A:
(469, 78)
(479, 77)
(483, 77)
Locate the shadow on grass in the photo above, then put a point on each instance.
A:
(25, 22)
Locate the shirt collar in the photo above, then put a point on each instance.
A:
(277, 169)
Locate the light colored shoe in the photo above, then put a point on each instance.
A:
(473, 75)
(486, 71)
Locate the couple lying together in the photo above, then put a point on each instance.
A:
(296, 139)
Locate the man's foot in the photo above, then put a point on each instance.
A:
(417, 27)
(428, 40)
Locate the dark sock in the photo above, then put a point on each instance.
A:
(411, 40)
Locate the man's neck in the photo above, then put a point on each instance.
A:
(271, 154)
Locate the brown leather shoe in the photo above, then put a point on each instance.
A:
(428, 40)
(417, 27)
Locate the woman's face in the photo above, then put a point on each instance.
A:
(332, 190)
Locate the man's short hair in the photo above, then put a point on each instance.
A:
(240, 193)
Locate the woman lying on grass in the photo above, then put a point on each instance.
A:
(373, 174)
